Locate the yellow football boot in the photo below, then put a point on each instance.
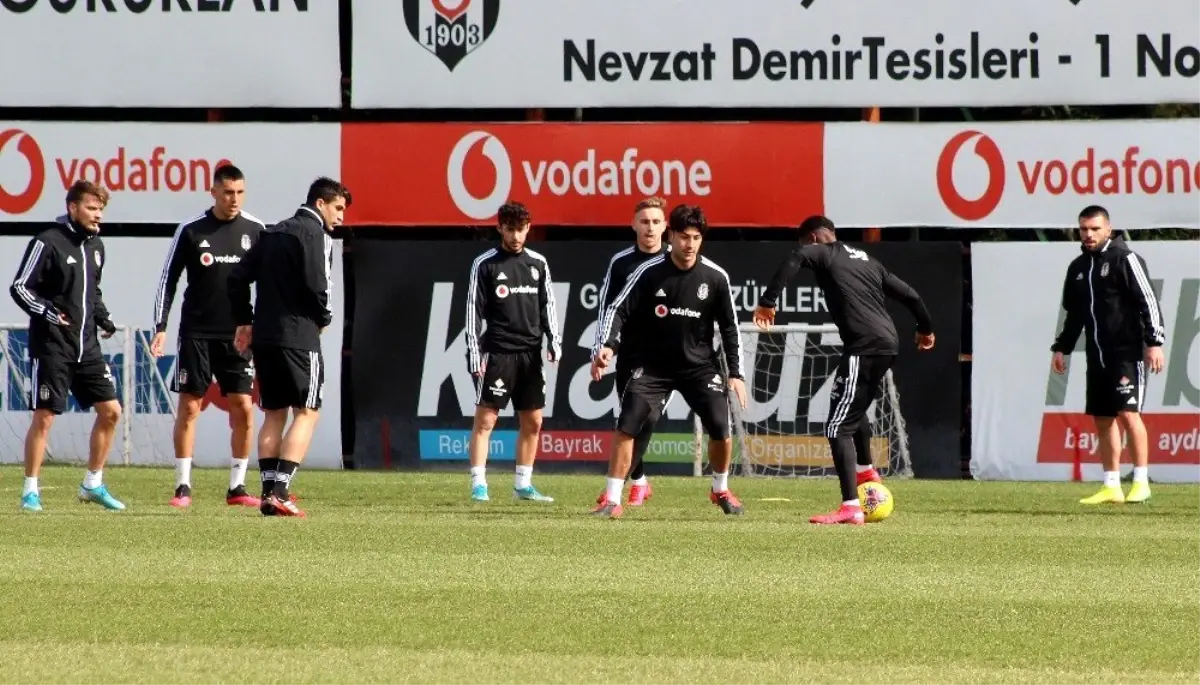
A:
(1140, 492)
(1106, 494)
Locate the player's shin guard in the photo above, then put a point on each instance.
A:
(283, 479)
(267, 468)
(641, 442)
(843, 451)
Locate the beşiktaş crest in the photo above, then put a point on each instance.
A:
(451, 29)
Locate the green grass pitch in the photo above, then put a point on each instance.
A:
(399, 578)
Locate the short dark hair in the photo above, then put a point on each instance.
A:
(684, 217)
(815, 223)
(327, 190)
(1093, 211)
(227, 172)
(512, 215)
(83, 187)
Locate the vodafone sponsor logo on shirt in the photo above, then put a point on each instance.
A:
(1146, 172)
(157, 173)
(580, 174)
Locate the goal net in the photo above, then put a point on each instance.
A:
(144, 434)
(789, 374)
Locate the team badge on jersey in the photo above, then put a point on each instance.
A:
(451, 29)
(702, 293)
(534, 272)
(1103, 270)
(245, 242)
(99, 261)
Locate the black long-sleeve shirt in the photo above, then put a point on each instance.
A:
(620, 267)
(207, 249)
(855, 286)
(1108, 293)
(667, 314)
(291, 265)
(512, 294)
(60, 274)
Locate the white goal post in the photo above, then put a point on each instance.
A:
(789, 373)
(144, 436)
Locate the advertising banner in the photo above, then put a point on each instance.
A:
(581, 174)
(133, 268)
(1028, 422)
(414, 398)
(1029, 174)
(172, 53)
(159, 173)
(773, 53)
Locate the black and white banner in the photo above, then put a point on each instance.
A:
(773, 53)
(410, 372)
(169, 53)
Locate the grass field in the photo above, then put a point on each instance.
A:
(398, 578)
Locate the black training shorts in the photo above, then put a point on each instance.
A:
(200, 361)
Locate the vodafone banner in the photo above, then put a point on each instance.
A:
(581, 174)
(159, 173)
(1028, 174)
(169, 53)
(773, 53)
(1027, 423)
(131, 273)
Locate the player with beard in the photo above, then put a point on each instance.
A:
(58, 286)
(649, 222)
(208, 247)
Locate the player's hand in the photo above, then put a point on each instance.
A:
(322, 331)
(1058, 363)
(1154, 359)
(106, 334)
(63, 320)
(925, 341)
(601, 362)
(764, 317)
(550, 357)
(157, 343)
(242, 338)
(738, 386)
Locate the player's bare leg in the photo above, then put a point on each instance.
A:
(35, 451)
(609, 503)
(639, 485)
(241, 436)
(1139, 448)
(293, 447)
(720, 454)
(184, 436)
(270, 442)
(1108, 433)
(477, 450)
(108, 414)
(865, 469)
(527, 444)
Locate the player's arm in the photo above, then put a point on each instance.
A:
(622, 307)
(318, 273)
(164, 295)
(1154, 333)
(29, 275)
(895, 288)
(605, 299)
(477, 293)
(1064, 343)
(808, 256)
(100, 313)
(549, 310)
(243, 275)
(727, 324)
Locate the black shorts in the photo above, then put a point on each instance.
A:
(515, 376)
(624, 373)
(1118, 387)
(288, 377)
(854, 388)
(90, 381)
(203, 360)
(646, 394)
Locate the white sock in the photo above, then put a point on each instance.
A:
(1141, 474)
(640, 481)
(92, 479)
(615, 486)
(524, 477)
(720, 482)
(478, 475)
(862, 468)
(183, 472)
(1112, 479)
(237, 472)
(30, 485)
(852, 503)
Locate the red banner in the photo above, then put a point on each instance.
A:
(581, 174)
(1173, 438)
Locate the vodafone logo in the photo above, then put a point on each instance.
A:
(660, 311)
(24, 146)
(467, 203)
(206, 259)
(984, 205)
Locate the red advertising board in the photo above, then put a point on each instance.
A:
(581, 174)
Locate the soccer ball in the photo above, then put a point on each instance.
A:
(877, 501)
